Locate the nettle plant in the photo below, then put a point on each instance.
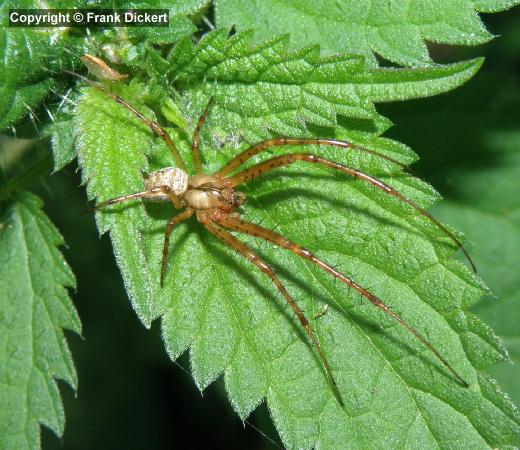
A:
(354, 377)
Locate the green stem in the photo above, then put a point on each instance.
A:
(27, 177)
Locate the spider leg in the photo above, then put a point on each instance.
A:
(280, 161)
(280, 142)
(166, 190)
(195, 151)
(121, 199)
(242, 248)
(234, 222)
(147, 195)
(154, 126)
(188, 212)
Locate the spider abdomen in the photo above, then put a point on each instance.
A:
(173, 178)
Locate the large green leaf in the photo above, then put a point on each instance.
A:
(119, 172)
(34, 310)
(396, 30)
(228, 314)
(266, 89)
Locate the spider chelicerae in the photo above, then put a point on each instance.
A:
(213, 200)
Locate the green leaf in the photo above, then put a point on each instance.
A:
(179, 27)
(395, 30)
(28, 56)
(489, 211)
(491, 6)
(32, 57)
(34, 310)
(266, 89)
(112, 159)
(179, 24)
(228, 314)
(63, 148)
(484, 203)
(476, 163)
(60, 131)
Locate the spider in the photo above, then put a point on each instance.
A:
(213, 200)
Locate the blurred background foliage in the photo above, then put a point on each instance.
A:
(131, 396)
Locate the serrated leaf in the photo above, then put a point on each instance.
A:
(110, 168)
(32, 56)
(476, 163)
(179, 24)
(264, 89)
(395, 30)
(486, 205)
(62, 142)
(228, 314)
(29, 55)
(34, 310)
(491, 6)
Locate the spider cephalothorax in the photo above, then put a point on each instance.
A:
(207, 192)
(213, 199)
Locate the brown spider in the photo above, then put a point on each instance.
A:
(213, 200)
